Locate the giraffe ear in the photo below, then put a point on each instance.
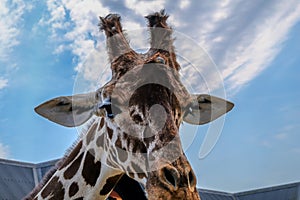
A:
(69, 111)
(204, 108)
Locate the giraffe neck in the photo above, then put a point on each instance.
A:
(84, 173)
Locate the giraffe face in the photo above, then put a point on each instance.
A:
(144, 105)
(156, 111)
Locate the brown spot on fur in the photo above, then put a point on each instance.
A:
(110, 132)
(130, 172)
(138, 170)
(149, 140)
(100, 140)
(139, 147)
(72, 155)
(72, 170)
(118, 142)
(125, 136)
(122, 154)
(110, 184)
(141, 175)
(59, 192)
(91, 170)
(101, 124)
(47, 191)
(91, 134)
(74, 188)
(54, 185)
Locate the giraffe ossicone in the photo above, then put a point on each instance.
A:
(134, 123)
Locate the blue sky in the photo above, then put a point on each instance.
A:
(47, 46)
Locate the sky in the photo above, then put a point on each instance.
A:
(246, 52)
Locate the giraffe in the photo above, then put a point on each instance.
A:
(133, 123)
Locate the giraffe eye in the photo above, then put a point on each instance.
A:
(160, 60)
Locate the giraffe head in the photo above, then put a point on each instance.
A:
(145, 102)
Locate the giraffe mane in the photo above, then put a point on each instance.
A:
(44, 180)
(60, 162)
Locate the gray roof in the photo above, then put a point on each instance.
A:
(283, 192)
(214, 195)
(18, 178)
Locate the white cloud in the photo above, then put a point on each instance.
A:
(287, 132)
(3, 83)
(281, 136)
(4, 151)
(137, 35)
(242, 38)
(266, 144)
(184, 4)
(243, 49)
(10, 16)
(265, 45)
(73, 26)
(143, 8)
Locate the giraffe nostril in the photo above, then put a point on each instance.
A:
(170, 176)
(192, 179)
